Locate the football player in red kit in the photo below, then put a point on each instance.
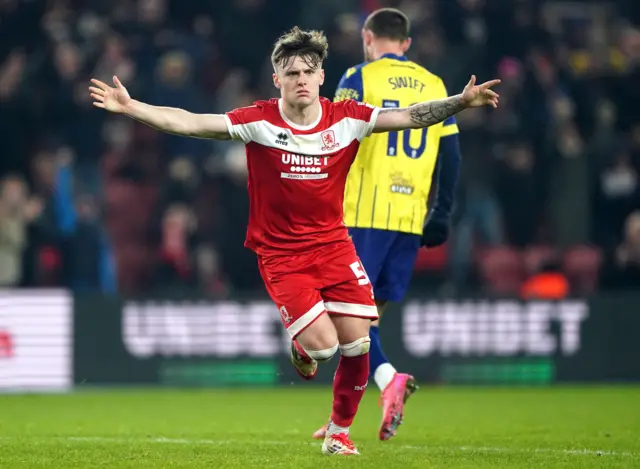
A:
(299, 150)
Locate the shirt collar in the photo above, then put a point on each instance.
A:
(401, 58)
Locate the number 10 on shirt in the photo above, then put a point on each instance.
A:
(407, 148)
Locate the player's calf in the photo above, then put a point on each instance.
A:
(349, 384)
(352, 374)
(350, 381)
(348, 388)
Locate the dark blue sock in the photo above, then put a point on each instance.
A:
(376, 355)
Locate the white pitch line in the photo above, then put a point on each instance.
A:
(227, 442)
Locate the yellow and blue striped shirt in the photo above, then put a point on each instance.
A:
(389, 182)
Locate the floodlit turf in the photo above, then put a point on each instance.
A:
(444, 428)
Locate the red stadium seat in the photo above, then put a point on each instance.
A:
(431, 260)
(535, 256)
(130, 207)
(501, 269)
(581, 265)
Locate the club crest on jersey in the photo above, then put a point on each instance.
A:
(328, 140)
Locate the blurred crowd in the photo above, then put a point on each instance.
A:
(550, 181)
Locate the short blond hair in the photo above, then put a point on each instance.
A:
(312, 46)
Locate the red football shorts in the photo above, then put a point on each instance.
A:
(304, 286)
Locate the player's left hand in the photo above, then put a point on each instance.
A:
(480, 95)
(434, 233)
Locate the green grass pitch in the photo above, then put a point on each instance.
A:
(451, 427)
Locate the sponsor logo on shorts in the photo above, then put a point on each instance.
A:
(284, 314)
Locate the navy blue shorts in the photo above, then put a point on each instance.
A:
(388, 258)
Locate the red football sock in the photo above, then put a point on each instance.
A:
(348, 388)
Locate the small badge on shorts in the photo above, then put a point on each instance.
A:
(285, 314)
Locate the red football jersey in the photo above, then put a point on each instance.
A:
(297, 174)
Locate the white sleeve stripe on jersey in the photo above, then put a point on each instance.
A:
(344, 132)
(230, 128)
(372, 121)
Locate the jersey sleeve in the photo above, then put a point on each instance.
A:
(449, 126)
(351, 85)
(239, 123)
(448, 172)
(363, 117)
(448, 167)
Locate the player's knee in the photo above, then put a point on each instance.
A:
(356, 348)
(320, 340)
(323, 355)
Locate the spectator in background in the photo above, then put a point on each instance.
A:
(49, 235)
(15, 120)
(15, 212)
(569, 99)
(173, 87)
(86, 247)
(67, 67)
(622, 266)
(478, 223)
(210, 277)
(174, 213)
(605, 135)
(517, 190)
(617, 195)
(568, 193)
(70, 115)
(182, 183)
(175, 264)
(507, 119)
(115, 59)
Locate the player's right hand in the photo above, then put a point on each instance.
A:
(480, 95)
(434, 233)
(106, 97)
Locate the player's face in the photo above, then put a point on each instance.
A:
(299, 82)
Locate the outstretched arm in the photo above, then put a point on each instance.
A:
(432, 112)
(167, 119)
